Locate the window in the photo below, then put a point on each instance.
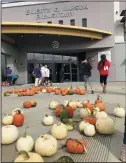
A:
(60, 21)
(49, 22)
(84, 22)
(48, 57)
(72, 22)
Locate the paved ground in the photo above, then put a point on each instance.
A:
(107, 147)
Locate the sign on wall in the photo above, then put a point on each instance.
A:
(107, 53)
(48, 13)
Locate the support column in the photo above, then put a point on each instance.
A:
(22, 68)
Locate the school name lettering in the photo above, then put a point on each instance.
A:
(47, 13)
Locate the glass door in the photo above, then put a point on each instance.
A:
(66, 68)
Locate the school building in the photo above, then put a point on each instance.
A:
(61, 35)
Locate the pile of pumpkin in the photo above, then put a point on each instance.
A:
(36, 90)
(92, 118)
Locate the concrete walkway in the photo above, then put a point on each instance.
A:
(33, 117)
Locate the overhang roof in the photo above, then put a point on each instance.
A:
(52, 29)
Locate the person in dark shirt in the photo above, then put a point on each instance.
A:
(87, 67)
(37, 74)
(9, 75)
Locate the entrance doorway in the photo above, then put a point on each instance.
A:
(59, 72)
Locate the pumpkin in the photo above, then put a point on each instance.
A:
(80, 104)
(59, 131)
(89, 130)
(98, 100)
(24, 93)
(25, 142)
(70, 111)
(82, 92)
(44, 91)
(10, 91)
(33, 103)
(76, 146)
(46, 145)
(24, 90)
(53, 104)
(57, 91)
(59, 109)
(28, 157)
(48, 120)
(7, 120)
(15, 91)
(14, 111)
(18, 119)
(84, 112)
(6, 94)
(31, 93)
(27, 104)
(82, 125)
(119, 112)
(49, 90)
(90, 119)
(105, 126)
(36, 92)
(71, 91)
(64, 115)
(64, 159)
(66, 103)
(73, 104)
(63, 93)
(27, 93)
(20, 94)
(9, 134)
(77, 90)
(89, 106)
(101, 106)
(69, 127)
(101, 114)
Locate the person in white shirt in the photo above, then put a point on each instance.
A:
(47, 74)
(43, 72)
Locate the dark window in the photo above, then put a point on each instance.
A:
(72, 22)
(60, 21)
(49, 22)
(84, 22)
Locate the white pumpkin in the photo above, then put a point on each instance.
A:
(84, 112)
(89, 130)
(44, 91)
(119, 112)
(105, 125)
(7, 120)
(82, 125)
(14, 111)
(66, 103)
(59, 131)
(48, 120)
(53, 104)
(28, 157)
(9, 134)
(73, 104)
(46, 145)
(25, 143)
(80, 104)
(101, 114)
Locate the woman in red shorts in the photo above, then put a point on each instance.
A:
(103, 68)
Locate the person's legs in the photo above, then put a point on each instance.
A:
(105, 83)
(85, 82)
(102, 81)
(90, 84)
(36, 82)
(9, 80)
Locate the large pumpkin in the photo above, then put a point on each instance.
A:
(33, 103)
(10, 91)
(31, 93)
(18, 119)
(59, 109)
(27, 104)
(77, 90)
(82, 92)
(101, 106)
(15, 91)
(76, 146)
(98, 100)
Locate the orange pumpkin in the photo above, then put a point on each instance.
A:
(27, 104)
(20, 91)
(27, 93)
(90, 119)
(101, 106)
(89, 106)
(20, 94)
(24, 93)
(98, 100)
(16, 91)
(31, 93)
(36, 92)
(59, 109)
(70, 111)
(49, 90)
(18, 119)
(77, 91)
(63, 93)
(57, 91)
(24, 90)
(37, 89)
(10, 91)
(76, 146)
(33, 103)
(82, 92)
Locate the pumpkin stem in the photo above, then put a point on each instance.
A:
(58, 123)
(119, 105)
(46, 115)
(18, 111)
(25, 134)
(25, 153)
(6, 114)
(99, 97)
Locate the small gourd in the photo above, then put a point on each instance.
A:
(53, 105)
(48, 120)
(7, 120)
(89, 130)
(119, 112)
(84, 112)
(82, 125)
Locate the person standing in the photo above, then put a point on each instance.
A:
(9, 76)
(87, 67)
(42, 81)
(103, 68)
(37, 75)
(61, 75)
(47, 75)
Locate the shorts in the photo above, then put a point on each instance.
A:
(46, 78)
(86, 78)
(103, 79)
